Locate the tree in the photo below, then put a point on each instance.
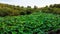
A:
(35, 7)
(51, 6)
(46, 6)
(28, 6)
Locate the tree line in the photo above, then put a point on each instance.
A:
(12, 10)
(53, 8)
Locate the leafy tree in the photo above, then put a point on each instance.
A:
(35, 7)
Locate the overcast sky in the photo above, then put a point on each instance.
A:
(25, 3)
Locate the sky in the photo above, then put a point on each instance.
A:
(39, 3)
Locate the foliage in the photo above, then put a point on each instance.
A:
(36, 23)
(12, 10)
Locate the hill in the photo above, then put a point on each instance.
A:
(12, 10)
(27, 20)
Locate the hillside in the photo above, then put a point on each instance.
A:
(27, 20)
(12, 10)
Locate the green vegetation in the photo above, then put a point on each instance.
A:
(12, 10)
(27, 20)
(55, 9)
(36, 23)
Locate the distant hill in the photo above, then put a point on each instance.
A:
(12, 10)
(6, 9)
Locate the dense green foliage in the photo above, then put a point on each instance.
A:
(36, 23)
(55, 9)
(27, 20)
(12, 10)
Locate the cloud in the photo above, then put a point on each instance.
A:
(38, 3)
